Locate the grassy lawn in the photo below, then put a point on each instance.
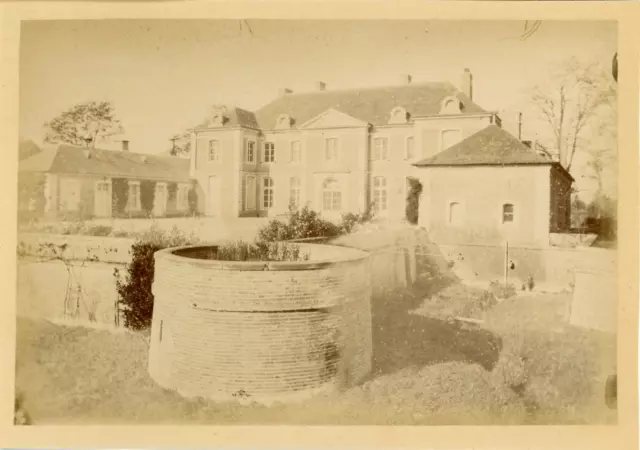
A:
(521, 365)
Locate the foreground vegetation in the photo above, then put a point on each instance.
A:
(522, 366)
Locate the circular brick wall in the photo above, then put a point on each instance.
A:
(272, 330)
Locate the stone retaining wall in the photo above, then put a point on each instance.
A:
(105, 249)
(275, 330)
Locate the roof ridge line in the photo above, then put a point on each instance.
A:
(366, 88)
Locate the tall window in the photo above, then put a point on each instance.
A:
(410, 152)
(379, 194)
(267, 193)
(134, 196)
(331, 149)
(269, 152)
(294, 192)
(214, 150)
(251, 151)
(507, 213)
(455, 213)
(295, 152)
(380, 149)
(331, 195)
(449, 138)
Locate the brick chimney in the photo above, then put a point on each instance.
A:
(466, 83)
(321, 86)
(125, 146)
(405, 79)
(284, 91)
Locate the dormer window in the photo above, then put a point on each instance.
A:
(398, 115)
(284, 122)
(218, 119)
(451, 105)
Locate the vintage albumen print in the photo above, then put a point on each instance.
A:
(317, 222)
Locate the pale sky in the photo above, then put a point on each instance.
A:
(163, 75)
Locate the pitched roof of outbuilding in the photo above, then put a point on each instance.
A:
(70, 159)
(372, 105)
(27, 148)
(491, 146)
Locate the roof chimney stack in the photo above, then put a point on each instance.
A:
(284, 91)
(321, 86)
(466, 85)
(405, 78)
(125, 146)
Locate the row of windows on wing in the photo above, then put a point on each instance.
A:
(456, 213)
(379, 151)
(331, 194)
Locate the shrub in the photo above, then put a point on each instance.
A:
(261, 251)
(76, 227)
(413, 201)
(99, 230)
(134, 289)
(302, 223)
(350, 220)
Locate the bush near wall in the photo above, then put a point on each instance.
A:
(305, 223)
(120, 196)
(413, 201)
(134, 288)
(147, 195)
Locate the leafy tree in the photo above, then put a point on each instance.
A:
(181, 144)
(84, 124)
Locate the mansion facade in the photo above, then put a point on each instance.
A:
(335, 151)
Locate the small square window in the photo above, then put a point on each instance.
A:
(507, 213)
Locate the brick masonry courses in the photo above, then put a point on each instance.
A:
(280, 331)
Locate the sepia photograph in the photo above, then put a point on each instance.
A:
(317, 222)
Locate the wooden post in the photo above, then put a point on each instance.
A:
(506, 264)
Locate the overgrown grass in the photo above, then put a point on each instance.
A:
(546, 374)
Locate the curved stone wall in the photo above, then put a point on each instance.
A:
(278, 330)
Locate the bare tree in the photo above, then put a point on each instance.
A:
(572, 103)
